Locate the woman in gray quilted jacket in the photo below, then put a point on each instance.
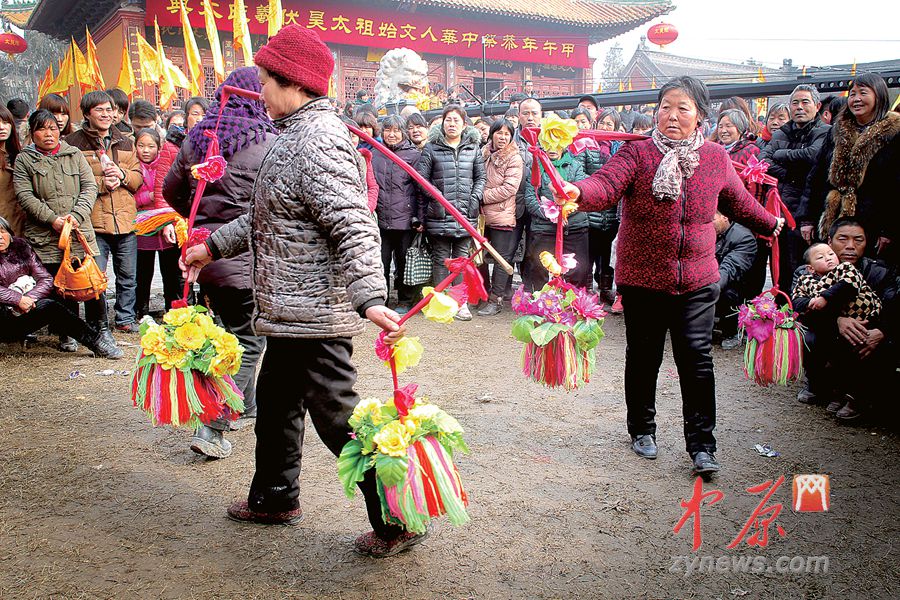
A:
(316, 267)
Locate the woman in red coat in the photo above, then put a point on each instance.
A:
(671, 185)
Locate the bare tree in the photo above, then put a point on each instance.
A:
(21, 73)
(612, 68)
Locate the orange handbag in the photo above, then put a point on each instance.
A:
(78, 279)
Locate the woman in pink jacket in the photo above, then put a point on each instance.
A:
(503, 165)
(671, 186)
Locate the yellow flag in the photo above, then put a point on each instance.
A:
(276, 18)
(760, 78)
(66, 77)
(212, 33)
(242, 33)
(629, 84)
(331, 91)
(653, 83)
(45, 83)
(803, 74)
(166, 86)
(192, 53)
(600, 88)
(92, 62)
(621, 86)
(853, 69)
(82, 70)
(126, 81)
(148, 61)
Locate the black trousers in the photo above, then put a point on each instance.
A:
(649, 315)
(300, 375)
(791, 247)
(600, 252)
(173, 284)
(235, 307)
(730, 300)
(496, 280)
(442, 248)
(46, 311)
(95, 311)
(394, 244)
(575, 242)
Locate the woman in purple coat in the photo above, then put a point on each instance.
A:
(666, 270)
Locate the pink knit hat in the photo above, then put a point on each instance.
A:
(300, 56)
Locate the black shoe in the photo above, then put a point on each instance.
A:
(104, 346)
(490, 309)
(645, 446)
(67, 344)
(705, 462)
(210, 442)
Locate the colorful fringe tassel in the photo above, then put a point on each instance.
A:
(431, 488)
(559, 363)
(184, 397)
(151, 222)
(777, 360)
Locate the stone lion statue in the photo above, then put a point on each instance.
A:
(402, 74)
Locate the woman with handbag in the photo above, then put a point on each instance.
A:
(53, 181)
(504, 166)
(25, 302)
(400, 210)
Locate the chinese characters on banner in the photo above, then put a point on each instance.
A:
(359, 25)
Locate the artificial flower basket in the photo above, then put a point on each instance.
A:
(774, 349)
(560, 326)
(183, 374)
(410, 444)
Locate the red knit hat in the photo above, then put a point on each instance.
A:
(300, 56)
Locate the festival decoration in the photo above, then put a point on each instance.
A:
(12, 43)
(662, 34)
(152, 222)
(183, 374)
(410, 444)
(774, 349)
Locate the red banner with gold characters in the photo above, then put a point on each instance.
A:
(358, 25)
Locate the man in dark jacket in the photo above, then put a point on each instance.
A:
(862, 354)
(791, 155)
(735, 253)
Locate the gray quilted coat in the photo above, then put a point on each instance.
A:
(315, 250)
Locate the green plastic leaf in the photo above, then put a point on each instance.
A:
(588, 334)
(523, 326)
(544, 334)
(445, 423)
(390, 469)
(352, 466)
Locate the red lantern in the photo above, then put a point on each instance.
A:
(662, 34)
(12, 43)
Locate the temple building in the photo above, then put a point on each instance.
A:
(503, 42)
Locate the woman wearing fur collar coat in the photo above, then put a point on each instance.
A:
(858, 170)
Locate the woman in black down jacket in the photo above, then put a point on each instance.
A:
(399, 212)
(452, 161)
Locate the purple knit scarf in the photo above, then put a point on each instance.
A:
(244, 122)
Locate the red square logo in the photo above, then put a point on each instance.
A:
(811, 493)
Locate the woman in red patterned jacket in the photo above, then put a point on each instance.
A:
(671, 185)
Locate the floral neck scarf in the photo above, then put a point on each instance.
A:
(680, 158)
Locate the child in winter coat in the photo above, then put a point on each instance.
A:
(162, 242)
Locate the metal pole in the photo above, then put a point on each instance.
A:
(483, 70)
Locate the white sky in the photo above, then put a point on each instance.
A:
(833, 32)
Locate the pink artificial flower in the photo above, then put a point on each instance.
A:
(550, 209)
(760, 329)
(568, 262)
(382, 350)
(744, 316)
(587, 306)
(210, 170)
(765, 307)
(755, 171)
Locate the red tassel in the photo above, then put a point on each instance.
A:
(184, 410)
(165, 409)
(432, 497)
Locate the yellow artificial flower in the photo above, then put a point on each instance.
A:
(368, 406)
(154, 339)
(209, 327)
(441, 308)
(190, 336)
(179, 316)
(393, 439)
(181, 231)
(550, 263)
(174, 358)
(407, 353)
(557, 134)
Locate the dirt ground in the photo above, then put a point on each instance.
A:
(98, 504)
